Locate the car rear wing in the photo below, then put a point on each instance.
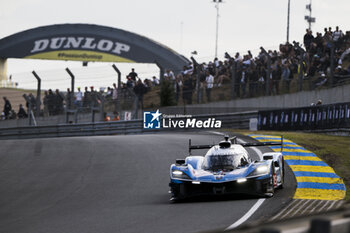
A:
(233, 140)
(197, 147)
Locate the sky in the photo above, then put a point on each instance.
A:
(183, 25)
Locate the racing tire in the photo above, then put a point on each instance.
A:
(270, 186)
(177, 194)
(282, 177)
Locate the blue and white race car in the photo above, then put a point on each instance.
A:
(227, 169)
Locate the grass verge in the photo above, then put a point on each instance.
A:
(334, 150)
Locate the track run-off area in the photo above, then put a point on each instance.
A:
(116, 184)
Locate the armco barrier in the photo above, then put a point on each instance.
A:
(331, 116)
(231, 120)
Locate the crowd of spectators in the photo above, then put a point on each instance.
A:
(9, 113)
(275, 68)
(55, 102)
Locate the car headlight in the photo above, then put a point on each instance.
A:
(179, 174)
(261, 170)
(241, 180)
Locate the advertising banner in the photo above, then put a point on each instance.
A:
(307, 118)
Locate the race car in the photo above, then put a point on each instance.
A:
(227, 169)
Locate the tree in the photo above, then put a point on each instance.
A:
(167, 93)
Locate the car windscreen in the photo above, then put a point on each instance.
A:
(221, 162)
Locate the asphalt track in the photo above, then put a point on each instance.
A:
(111, 184)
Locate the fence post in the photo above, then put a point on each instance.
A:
(29, 108)
(119, 87)
(38, 93)
(119, 76)
(72, 86)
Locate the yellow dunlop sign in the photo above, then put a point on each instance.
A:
(315, 179)
(79, 55)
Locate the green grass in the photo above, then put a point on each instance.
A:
(334, 150)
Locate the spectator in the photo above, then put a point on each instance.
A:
(21, 112)
(133, 75)
(116, 116)
(94, 102)
(109, 93)
(86, 98)
(320, 81)
(46, 104)
(148, 84)
(169, 74)
(286, 77)
(32, 102)
(261, 85)
(209, 80)
(58, 100)
(78, 99)
(106, 117)
(129, 82)
(337, 34)
(139, 91)
(155, 81)
(243, 82)
(7, 107)
(51, 103)
(337, 37)
(308, 38)
(68, 99)
(238, 57)
(178, 87)
(187, 89)
(276, 77)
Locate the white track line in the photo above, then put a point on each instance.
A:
(255, 206)
(340, 203)
(300, 208)
(247, 215)
(316, 206)
(296, 206)
(285, 209)
(330, 207)
(311, 204)
(323, 206)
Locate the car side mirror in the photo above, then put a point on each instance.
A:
(276, 164)
(180, 162)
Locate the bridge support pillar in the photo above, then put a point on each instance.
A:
(3, 73)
